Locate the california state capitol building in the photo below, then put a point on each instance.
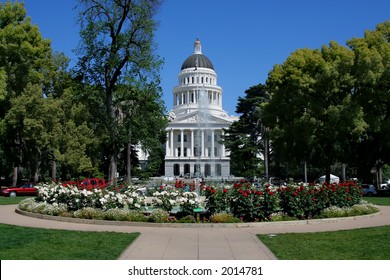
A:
(196, 122)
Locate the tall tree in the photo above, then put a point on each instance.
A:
(116, 48)
(312, 110)
(25, 60)
(372, 90)
(244, 138)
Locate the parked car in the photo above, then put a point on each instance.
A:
(24, 189)
(92, 183)
(368, 190)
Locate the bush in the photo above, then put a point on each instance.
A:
(217, 199)
(89, 213)
(224, 218)
(159, 216)
(251, 204)
(187, 219)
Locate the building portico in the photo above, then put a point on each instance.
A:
(194, 135)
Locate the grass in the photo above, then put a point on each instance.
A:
(385, 201)
(4, 200)
(358, 244)
(24, 243)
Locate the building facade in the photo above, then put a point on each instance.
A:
(194, 147)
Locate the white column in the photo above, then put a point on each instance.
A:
(202, 143)
(212, 143)
(223, 146)
(192, 143)
(181, 142)
(172, 143)
(167, 151)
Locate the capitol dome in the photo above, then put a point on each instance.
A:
(197, 59)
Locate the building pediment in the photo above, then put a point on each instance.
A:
(199, 117)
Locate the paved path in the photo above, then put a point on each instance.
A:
(237, 242)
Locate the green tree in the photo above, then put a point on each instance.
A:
(116, 48)
(312, 111)
(372, 90)
(244, 138)
(25, 59)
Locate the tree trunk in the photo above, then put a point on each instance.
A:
(112, 168)
(128, 162)
(327, 173)
(15, 176)
(53, 170)
(266, 153)
(343, 172)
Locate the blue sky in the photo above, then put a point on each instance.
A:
(244, 39)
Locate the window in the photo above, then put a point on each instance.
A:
(207, 169)
(176, 169)
(196, 151)
(185, 151)
(218, 170)
(178, 151)
(185, 137)
(209, 151)
(187, 169)
(215, 151)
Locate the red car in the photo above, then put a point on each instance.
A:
(25, 189)
(93, 183)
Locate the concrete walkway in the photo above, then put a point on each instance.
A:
(197, 242)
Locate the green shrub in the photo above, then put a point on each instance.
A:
(136, 216)
(224, 218)
(159, 216)
(187, 219)
(281, 217)
(89, 213)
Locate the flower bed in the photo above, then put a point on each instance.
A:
(241, 201)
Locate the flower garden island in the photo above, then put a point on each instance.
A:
(195, 202)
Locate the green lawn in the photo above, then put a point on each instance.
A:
(11, 200)
(24, 243)
(385, 201)
(357, 244)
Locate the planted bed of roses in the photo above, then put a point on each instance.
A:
(241, 199)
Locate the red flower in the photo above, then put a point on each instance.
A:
(259, 193)
(213, 190)
(295, 194)
(161, 187)
(245, 194)
(225, 190)
(348, 198)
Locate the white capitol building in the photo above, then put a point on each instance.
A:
(197, 121)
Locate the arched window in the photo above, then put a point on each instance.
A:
(218, 170)
(207, 169)
(176, 169)
(187, 169)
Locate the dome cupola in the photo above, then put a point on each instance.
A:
(197, 59)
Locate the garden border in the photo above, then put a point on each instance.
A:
(190, 225)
